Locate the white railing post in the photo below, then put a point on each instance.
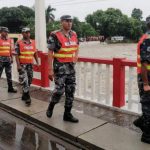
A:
(99, 82)
(107, 85)
(85, 80)
(93, 81)
(130, 88)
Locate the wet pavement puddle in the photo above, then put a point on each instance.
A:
(15, 134)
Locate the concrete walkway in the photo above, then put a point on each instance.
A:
(90, 133)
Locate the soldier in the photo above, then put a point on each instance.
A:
(63, 50)
(25, 52)
(143, 65)
(6, 58)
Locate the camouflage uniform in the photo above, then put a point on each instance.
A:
(25, 74)
(65, 80)
(6, 63)
(143, 122)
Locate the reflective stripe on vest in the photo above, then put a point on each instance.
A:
(5, 47)
(147, 67)
(68, 48)
(26, 52)
(63, 55)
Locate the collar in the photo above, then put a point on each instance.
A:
(26, 42)
(69, 33)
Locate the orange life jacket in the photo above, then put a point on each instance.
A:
(5, 47)
(145, 36)
(27, 52)
(67, 52)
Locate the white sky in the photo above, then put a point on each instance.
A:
(80, 8)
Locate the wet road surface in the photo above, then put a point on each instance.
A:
(15, 134)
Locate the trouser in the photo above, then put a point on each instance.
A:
(26, 76)
(64, 83)
(8, 71)
(145, 102)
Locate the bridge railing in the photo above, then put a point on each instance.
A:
(111, 82)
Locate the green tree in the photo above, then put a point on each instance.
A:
(29, 14)
(77, 26)
(109, 23)
(87, 30)
(52, 26)
(13, 18)
(113, 23)
(49, 14)
(136, 29)
(137, 14)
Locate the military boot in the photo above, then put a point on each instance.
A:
(139, 122)
(11, 89)
(68, 116)
(49, 111)
(145, 137)
(27, 98)
(24, 96)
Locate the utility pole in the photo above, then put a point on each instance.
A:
(40, 26)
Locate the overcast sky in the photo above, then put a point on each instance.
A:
(80, 8)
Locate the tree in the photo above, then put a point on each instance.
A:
(13, 18)
(52, 26)
(77, 26)
(136, 29)
(113, 23)
(137, 14)
(49, 15)
(87, 30)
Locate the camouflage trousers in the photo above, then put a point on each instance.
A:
(8, 71)
(144, 96)
(25, 76)
(145, 102)
(64, 83)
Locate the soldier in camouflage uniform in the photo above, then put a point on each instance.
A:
(63, 50)
(6, 58)
(25, 52)
(143, 65)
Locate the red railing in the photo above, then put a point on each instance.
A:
(118, 64)
(43, 70)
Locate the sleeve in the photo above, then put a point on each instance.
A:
(53, 43)
(17, 49)
(145, 51)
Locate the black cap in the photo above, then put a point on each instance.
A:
(148, 20)
(5, 29)
(25, 29)
(65, 17)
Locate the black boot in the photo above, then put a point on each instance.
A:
(145, 137)
(28, 99)
(24, 96)
(12, 90)
(49, 111)
(139, 122)
(68, 116)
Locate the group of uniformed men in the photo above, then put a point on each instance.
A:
(63, 51)
(63, 54)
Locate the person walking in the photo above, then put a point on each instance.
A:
(63, 54)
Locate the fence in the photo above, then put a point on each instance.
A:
(111, 82)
